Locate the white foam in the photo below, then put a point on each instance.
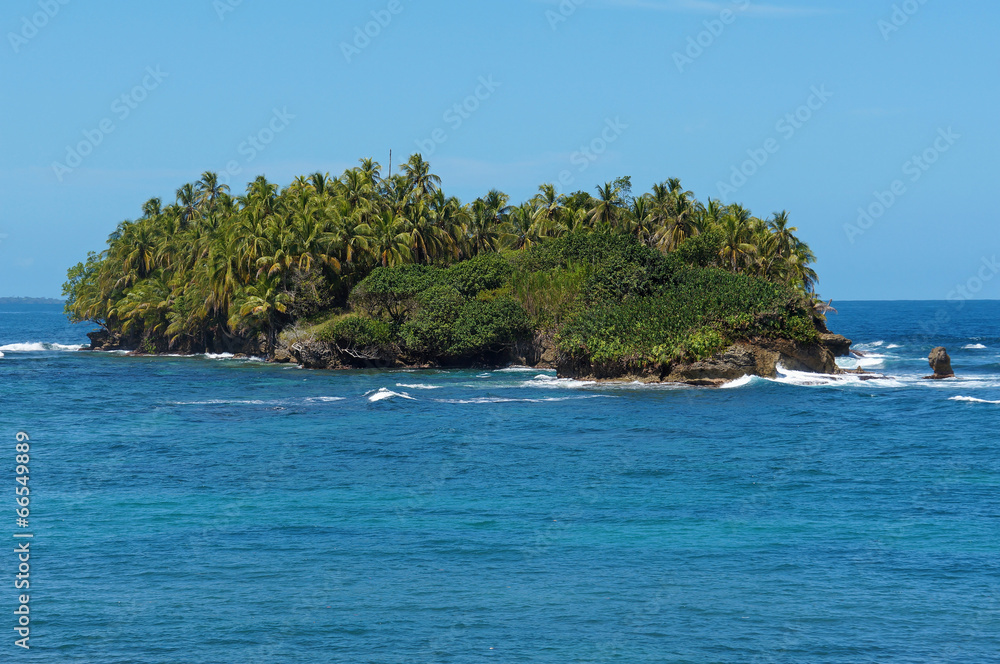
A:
(383, 394)
(419, 386)
(973, 400)
(867, 361)
(1, 354)
(516, 369)
(809, 379)
(974, 347)
(325, 399)
(890, 346)
(219, 356)
(38, 347)
(546, 381)
(873, 344)
(739, 382)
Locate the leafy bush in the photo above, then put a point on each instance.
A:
(483, 272)
(356, 332)
(691, 318)
(430, 328)
(389, 291)
(448, 325)
(701, 250)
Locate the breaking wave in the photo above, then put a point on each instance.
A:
(39, 347)
(382, 394)
(973, 400)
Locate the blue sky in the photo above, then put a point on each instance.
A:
(820, 108)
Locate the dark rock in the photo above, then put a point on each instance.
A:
(838, 344)
(315, 355)
(539, 351)
(104, 340)
(941, 364)
(98, 339)
(735, 362)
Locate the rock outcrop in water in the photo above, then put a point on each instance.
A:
(760, 357)
(941, 364)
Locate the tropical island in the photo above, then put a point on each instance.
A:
(365, 270)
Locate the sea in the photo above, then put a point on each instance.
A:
(222, 509)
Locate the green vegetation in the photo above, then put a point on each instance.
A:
(390, 267)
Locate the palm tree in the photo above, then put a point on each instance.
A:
(209, 190)
(151, 208)
(521, 228)
(606, 211)
(419, 178)
(187, 200)
(259, 307)
(737, 249)
(387, 238)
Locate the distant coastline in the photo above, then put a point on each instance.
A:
(30, 300)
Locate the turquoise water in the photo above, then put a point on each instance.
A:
(222, 510)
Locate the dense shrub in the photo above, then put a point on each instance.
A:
(691, 318)
(701, 250)
(480, 273)
(356, 332)
(389, 291)
(448, 325)
(610, 298)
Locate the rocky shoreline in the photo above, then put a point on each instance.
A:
(753, 357)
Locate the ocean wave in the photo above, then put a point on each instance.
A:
(868, 361)
(870, 345)
(551, 382)
(973, 400)
(419, 386)
(39, 347)
(324, 399)
(809, 379)
(891, 346)
(382, 394)
(974, 347)
(516, 369)
(740, 382)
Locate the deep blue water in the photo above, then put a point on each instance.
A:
(221, 510)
